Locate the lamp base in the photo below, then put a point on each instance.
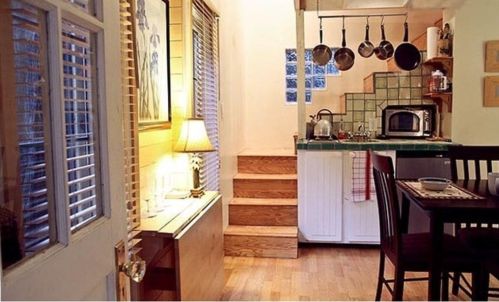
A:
(197, 192)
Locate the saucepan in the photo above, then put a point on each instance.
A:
(321, 54)
(366, 48)
(385, 48)
(344, 58)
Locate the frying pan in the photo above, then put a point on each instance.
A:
(385, 48)
(407, 56)
(321, 54)
(366, 48)
(344, 58)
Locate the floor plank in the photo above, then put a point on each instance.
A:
(321, 272)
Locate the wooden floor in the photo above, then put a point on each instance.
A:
(321, 272)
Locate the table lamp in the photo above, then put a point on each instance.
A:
(194, 139)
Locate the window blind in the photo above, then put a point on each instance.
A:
(130, 120)
(206, 87)
(28, 26)
(80, 118)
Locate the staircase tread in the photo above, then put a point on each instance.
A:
(268, 152)
(266, 176)
(265, 201)
(266, 231)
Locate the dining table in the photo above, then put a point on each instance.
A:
(478, 207)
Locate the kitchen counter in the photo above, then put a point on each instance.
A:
(375, 144)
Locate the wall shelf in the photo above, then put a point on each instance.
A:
(445, 65)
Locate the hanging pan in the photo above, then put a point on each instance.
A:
(385, 48)
(344, 58)
(407, 56)
(321, 54)
(366, 48)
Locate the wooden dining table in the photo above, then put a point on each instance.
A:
(449, 210)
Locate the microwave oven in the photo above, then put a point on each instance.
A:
(402, 121)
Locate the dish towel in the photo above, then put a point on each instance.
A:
(363, 188)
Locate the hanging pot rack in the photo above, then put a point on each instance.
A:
(365, 16)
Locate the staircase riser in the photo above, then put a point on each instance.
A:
(266, 247)
(266, 164)
(265, 188)
(263, 215)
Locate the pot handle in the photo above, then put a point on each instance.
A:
(320, 33)
(406, 32)
(367, 32)
(383, 38)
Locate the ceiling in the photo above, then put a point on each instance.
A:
(328, 5)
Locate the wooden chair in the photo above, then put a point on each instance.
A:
(484, 239)
(409, 252)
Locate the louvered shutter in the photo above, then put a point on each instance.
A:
(79, 78)
(206, 87)
(28, 25)
(130, 120)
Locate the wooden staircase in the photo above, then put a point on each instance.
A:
(263, 216)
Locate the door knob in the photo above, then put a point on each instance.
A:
(134, 269)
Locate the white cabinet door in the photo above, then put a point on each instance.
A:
(320, 191)
(361, 218)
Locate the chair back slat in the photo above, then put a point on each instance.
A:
(388, 206)
(477, 155)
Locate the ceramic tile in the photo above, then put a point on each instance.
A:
(381, 94)
(348, 117)
(369, 96)
(380, 75)
(428, 102)
(393, 94)
(404, 81)
(416, 102)
(404, 102)
(415, 93)
(370, 105)
(358, 105)
(358, 116)
(416, 81)
(417, 71)
(349, 96)
(349, 105)
(404, 93)
(392, 103)
(358, 96)
(348, 126)
(379, 111)
(380, 83)
(393, 82)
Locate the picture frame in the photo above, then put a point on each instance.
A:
(491, 92)
(492, 56)
(152, 37)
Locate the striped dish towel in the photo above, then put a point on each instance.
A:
(363, 188)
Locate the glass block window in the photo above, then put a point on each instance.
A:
(315, 76)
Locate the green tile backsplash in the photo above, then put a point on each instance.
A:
(390, 88)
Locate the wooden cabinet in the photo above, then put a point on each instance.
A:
(320, 191)
(184, 253)
(444, 64)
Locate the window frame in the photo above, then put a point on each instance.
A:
(55, 12)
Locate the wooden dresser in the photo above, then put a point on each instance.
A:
(183, 249)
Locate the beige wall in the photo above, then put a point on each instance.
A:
(475, 23)
(269, 28)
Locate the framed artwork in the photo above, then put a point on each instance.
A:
(153, 53)
(491, 92)
(492, 57)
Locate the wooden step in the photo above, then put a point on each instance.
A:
(265, 185)
(258, 241)
(263, 212)
(266, 164)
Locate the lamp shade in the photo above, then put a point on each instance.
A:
(193, 137)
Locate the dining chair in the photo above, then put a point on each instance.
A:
(484, 238)
(409, 252)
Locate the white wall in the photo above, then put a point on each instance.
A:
(269, 29)
(475, 23)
